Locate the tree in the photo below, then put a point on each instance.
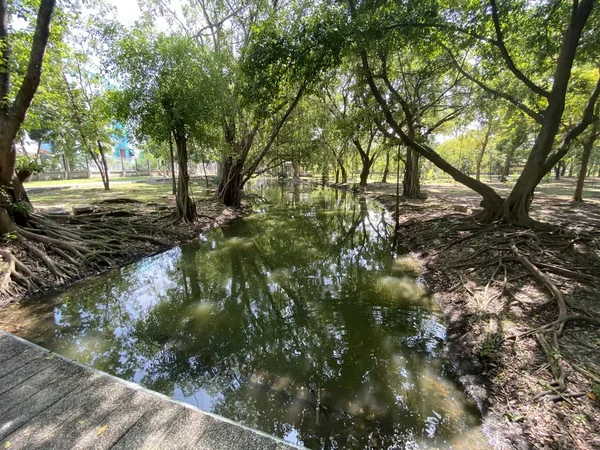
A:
(354, 121)
(13, 110)
(269, 59)
(171, 90)
(426, 95)
(259, 103)
(89, 114)
(386, 170)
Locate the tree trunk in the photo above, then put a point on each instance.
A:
(67, 167)
(296, 169)
(325, 175)
(365, 170)
(557, 172)
(343, 171)
(13, 113)
(365, 158)
(484, 145)
(411, 185)
(397, 227)
(38, 154)
(386, 170)
(229, 191)
(186, 208)
(11, 191)
(102, 165)
(563, 168)
(337, 175)
(591, 170)
(205, 176)
(588, 145)
(507, 164)
(173, 181)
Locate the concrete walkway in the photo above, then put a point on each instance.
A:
(49, 402)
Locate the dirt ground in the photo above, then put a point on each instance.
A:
(500, 287)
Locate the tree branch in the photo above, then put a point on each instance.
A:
(445, 119)
(31, 81)
(499, 42)
(587, 119)
(5, 54)
(538, 117)
(274, 133)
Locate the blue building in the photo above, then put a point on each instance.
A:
(123, 148)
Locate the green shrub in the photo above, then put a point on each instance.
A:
(28, 165)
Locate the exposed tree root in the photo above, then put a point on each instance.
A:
(497, 245)
(15, 270)
(52, 265)
(556, 366)
(500, 244)
(560, 300)
(58, 252)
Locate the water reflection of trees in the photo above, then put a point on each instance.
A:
(278, 319)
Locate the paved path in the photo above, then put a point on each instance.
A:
(49, 402)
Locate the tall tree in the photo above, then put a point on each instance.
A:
(13, 109)
(354, 119)
(426, 96)
(171, 90)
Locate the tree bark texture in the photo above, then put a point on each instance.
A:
(173, 180)
(588, 146)
(13, 113)
(186, 208)
(386, 170)
(486, 140)
(411, 185)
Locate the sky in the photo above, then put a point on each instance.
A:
(127, 10)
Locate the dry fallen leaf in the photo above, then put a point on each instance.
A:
(591, 396)
(81, 422)
(27, 433)
(102, 430)
(53, 381)
(52, 356)
(7, 444)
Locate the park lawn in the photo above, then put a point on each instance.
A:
(80, 181)
(83, 195)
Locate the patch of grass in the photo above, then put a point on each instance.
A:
(490, 347)
(145, 192)
(77, 182)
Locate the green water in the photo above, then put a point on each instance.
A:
(292, 321)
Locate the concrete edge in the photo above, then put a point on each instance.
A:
(140, 388)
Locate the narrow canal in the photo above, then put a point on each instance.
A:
(296, 321)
